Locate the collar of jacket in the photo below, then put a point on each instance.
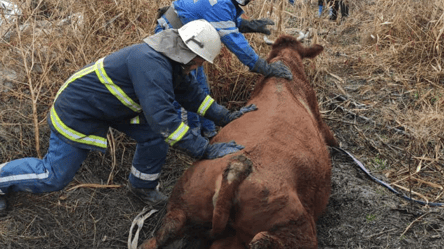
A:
(178, 76)
(169, 43)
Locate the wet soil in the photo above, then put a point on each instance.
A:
(363, 214)
(360, 214)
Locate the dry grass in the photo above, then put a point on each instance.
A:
(387, 57)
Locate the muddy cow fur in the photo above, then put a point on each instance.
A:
(270, 194)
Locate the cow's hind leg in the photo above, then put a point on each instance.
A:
(265, 240)
(294, 234)
(171, 229)
(237, 170)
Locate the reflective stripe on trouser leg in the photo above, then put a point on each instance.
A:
(150, 154)
(51, 173)
(147, 163)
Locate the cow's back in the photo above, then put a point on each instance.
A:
(291, 165)
(286, 141)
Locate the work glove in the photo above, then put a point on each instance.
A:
(255, 26)
(221, 116)
(236, 114)
(320, 10)
(276, 69)
(221, 149)
(230, 116)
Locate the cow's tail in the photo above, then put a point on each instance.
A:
(236, 172)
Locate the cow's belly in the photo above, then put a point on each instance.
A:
(262, 204)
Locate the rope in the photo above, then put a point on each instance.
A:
(139, 220)
(362, 167)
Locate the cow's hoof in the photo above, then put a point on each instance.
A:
(149, 244)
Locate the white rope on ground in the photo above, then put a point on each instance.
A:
(139, 220)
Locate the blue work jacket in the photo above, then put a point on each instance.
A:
(224, 15)
(135, 85)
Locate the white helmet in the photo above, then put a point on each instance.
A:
(243, 2)
(201, 38)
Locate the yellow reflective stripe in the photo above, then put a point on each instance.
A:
(75, 76)
(205, 105)
(114, 89)
(135, 120)
(74, 135)
(178, 134)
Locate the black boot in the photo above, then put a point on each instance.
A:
(149, 196)
(3, 205)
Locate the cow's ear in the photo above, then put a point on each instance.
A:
(312, 51)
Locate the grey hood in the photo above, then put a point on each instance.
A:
(169, 43)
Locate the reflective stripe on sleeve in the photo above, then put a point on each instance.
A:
(114, 89)
(224, 32)
(225, 27)
(223, 24)
(178, 134)
(75, 135)
(144, 176)
(205, 105)
(135, 120)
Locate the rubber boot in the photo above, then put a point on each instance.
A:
(149, 196)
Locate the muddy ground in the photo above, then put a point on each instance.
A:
(360, 214)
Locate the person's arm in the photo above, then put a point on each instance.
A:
(153, 83)
(192, 98)
(226, 23)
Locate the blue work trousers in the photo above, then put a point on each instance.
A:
(63, 160)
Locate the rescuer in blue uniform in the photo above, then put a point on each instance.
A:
(225, 16)
(131, 90)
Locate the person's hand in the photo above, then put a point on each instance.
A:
(221, 149)
(242, 111)
(279, 69)
(276, 69)
(255, 26)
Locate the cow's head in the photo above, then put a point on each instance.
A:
(287, 45)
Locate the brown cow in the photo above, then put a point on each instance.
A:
(270, 194)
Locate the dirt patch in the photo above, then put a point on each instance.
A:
(360, 214)
(363, 214)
